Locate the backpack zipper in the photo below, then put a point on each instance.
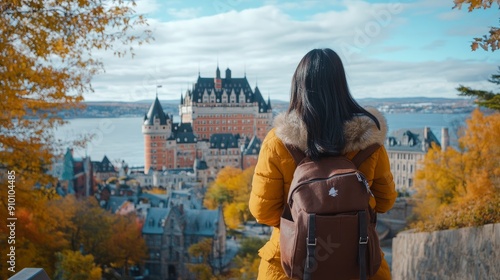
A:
(362, 179)
(359, 176)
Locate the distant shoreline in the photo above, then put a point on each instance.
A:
(142, 115)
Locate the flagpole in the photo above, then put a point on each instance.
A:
(157, 86)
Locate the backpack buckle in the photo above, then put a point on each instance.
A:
(312, 244)
(363, 241)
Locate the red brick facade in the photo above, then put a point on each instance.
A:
(213, 107)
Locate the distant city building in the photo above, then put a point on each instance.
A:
(75, 175)
(103, 170)
(170, 179)
(170, 231)
(226, 105)
(406, 149)
(172, 222)
(223, 122)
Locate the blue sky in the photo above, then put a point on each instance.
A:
(389, 48)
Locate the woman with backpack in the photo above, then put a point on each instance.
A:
(323, 120)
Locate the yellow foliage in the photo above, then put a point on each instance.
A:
(247, 268)
(232, 216)
(231, 189)
(50, 227)
(74, 265)
(462, 188)
(156, 190)
(201, 249)
(475, 4)
(47, 60)
(201, 271)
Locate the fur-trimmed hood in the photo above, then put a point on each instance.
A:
(360, 132)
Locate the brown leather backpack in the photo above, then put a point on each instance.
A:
(327, 228)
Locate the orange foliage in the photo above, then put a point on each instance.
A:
(490, 41)
(127, 244)
(47, 60)
(462, 188)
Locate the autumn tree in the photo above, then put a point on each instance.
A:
(202, 252)
(113, 240)
(47, 61)
(247, 260)
(50, 228)
(487, 99)
(41, 232)
(231, 190)
(491, 40)
(73, 265)
(128, 245)
(461, 187)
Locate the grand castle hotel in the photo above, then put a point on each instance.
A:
(223, 122)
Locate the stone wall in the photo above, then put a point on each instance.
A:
(467, 253)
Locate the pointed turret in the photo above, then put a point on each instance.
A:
(257, 96)
(157, 127)
(217, 72)
(155, 111)
(217, 79)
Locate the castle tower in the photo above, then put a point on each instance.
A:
(156, 128)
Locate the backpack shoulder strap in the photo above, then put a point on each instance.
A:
(362, 155)
(296, 153)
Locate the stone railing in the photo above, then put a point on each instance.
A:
(466, 253)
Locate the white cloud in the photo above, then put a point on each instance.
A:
(434, 45)
(454, 14)
(184, 13)
(268, 44)
(146, 6)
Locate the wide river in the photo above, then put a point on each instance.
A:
(122, 139)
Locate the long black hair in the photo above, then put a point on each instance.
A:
(320, 96)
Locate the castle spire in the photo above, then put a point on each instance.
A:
(157, 86)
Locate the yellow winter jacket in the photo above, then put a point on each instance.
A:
(275, 168)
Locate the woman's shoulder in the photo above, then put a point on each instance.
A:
(290, 129)
(361, 131)
(272, 143)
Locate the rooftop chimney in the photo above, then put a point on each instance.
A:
(445, 138)
(425, 141)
